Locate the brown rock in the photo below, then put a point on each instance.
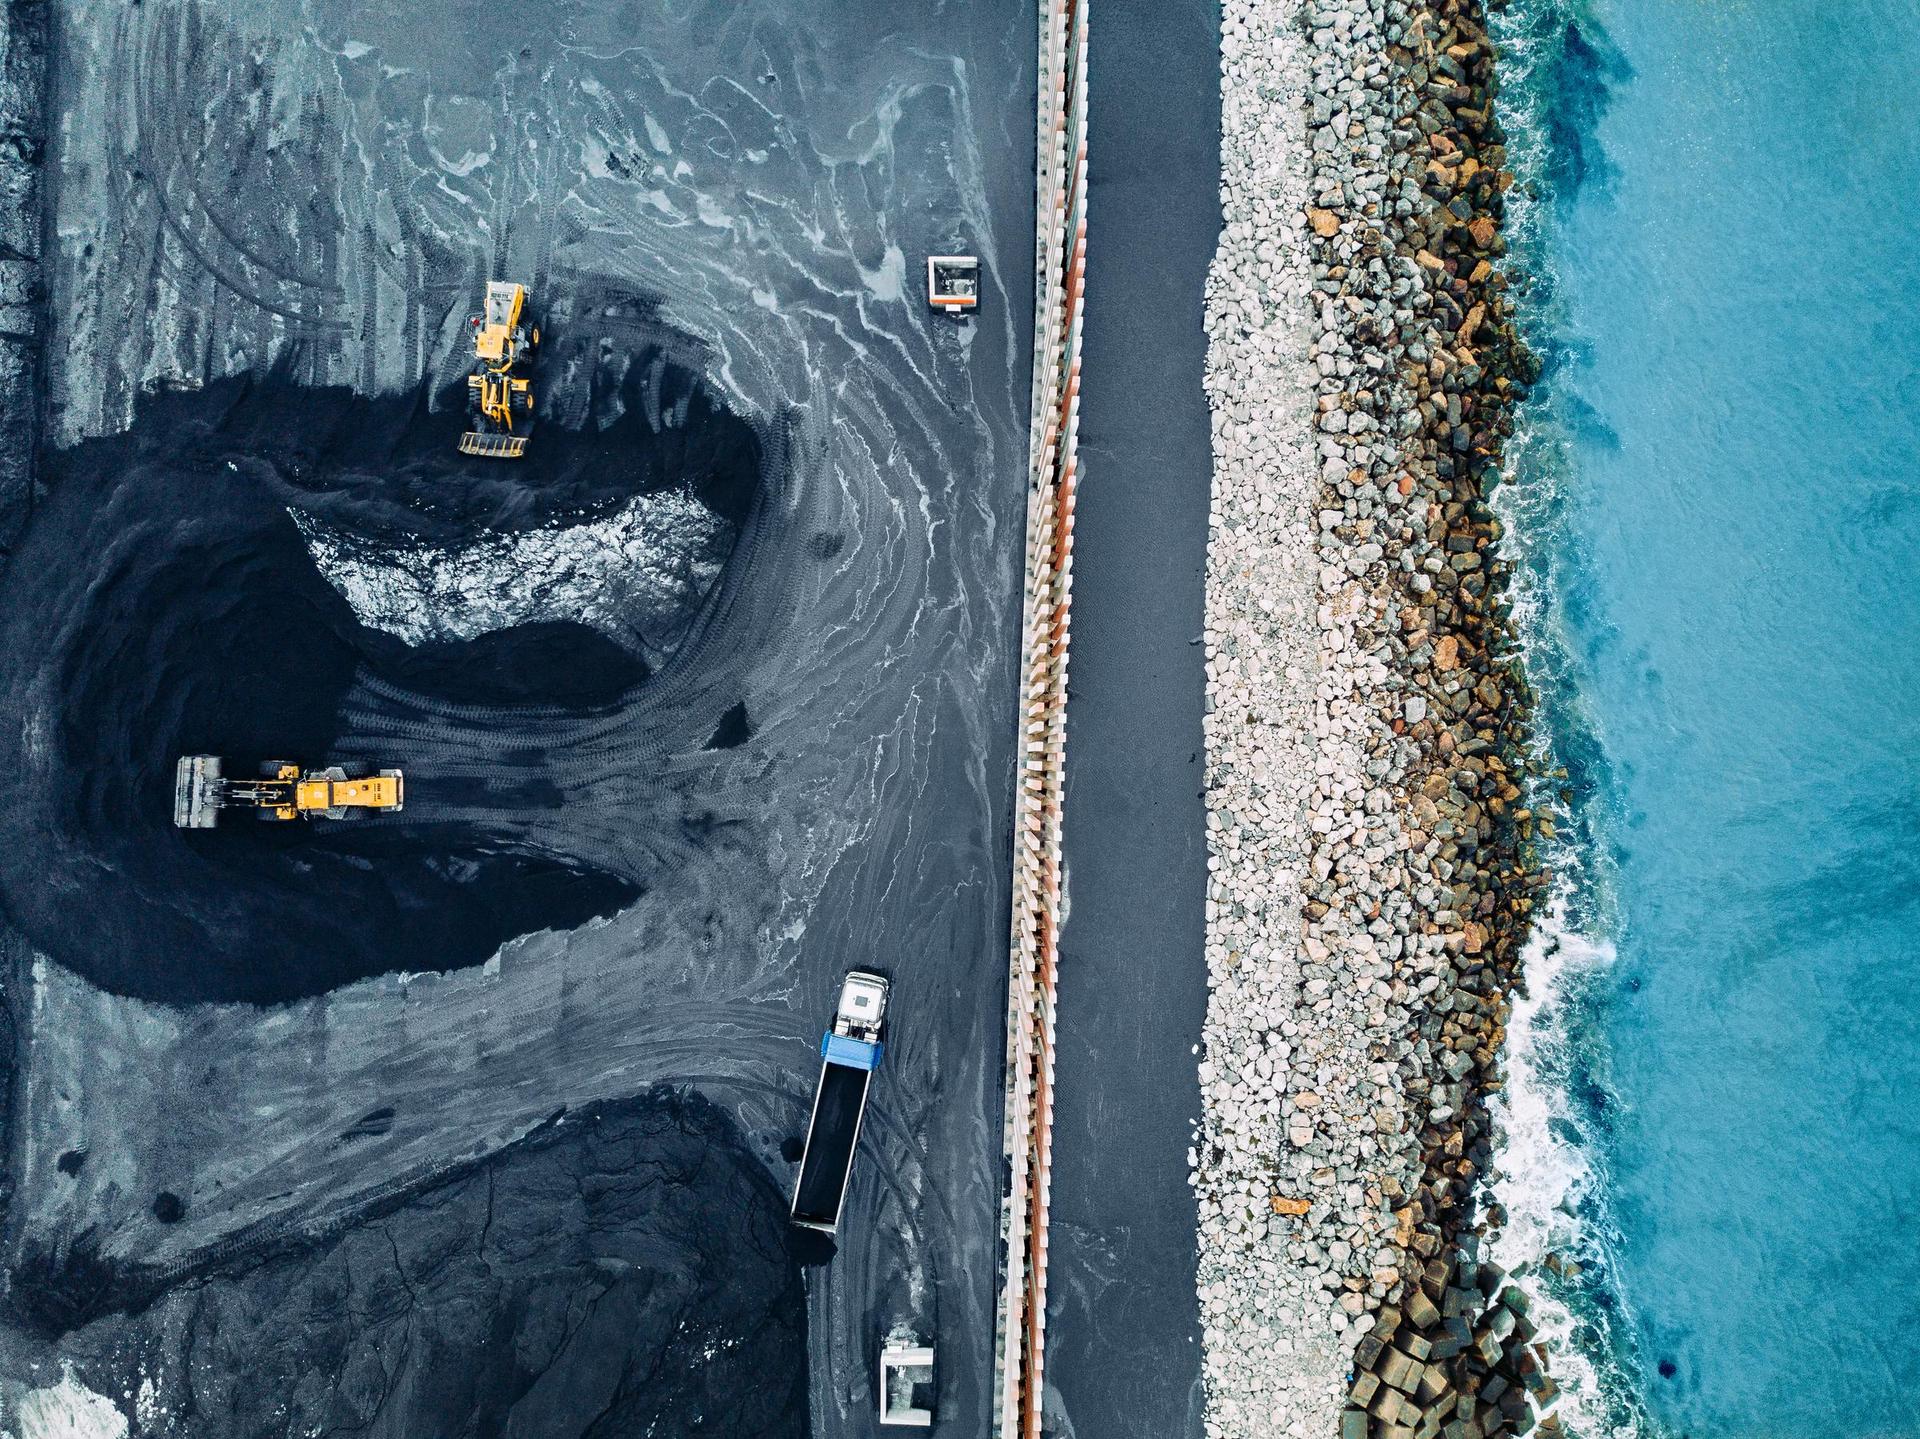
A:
(1403, 1221)
(1325, 223)
(1446, 653)
(1386, 1405)
(1399, 1370)
(1282, 1204)
(1482, 231)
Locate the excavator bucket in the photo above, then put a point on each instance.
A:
(493, 446)
(196, 788)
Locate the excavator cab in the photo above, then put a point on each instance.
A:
(499, 392)
(280, 791)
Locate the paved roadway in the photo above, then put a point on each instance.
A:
(1123, 1332)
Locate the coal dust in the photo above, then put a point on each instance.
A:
(163, 602)
(625, 1271)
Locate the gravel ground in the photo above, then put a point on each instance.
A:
(1276, 1342)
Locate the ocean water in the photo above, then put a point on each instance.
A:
(1713, 1121)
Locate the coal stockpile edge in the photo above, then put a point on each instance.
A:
(625, 1270)
(163, 602)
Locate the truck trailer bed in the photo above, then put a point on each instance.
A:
(831, 1138)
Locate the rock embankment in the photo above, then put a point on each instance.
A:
(1371, 873)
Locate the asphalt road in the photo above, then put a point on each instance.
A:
(1123, 1327)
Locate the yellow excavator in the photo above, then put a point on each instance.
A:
(499, 393)
(281, 791)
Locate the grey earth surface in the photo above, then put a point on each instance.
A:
(784, 748)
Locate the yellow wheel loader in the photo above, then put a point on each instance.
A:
(282, 792)
(499, 393)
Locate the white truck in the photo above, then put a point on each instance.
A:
(849, 1053)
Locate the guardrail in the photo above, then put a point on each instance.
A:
(1060, 223)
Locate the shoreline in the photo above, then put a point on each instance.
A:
(1372, 849)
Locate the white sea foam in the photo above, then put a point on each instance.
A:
(1546, 1177)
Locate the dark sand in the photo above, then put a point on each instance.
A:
(624, 1273)
(816, 775)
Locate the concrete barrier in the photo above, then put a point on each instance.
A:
(1060, 216)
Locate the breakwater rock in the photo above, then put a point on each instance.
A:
(1372, 873)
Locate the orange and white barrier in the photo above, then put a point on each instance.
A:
(1060, 222)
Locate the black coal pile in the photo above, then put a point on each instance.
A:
(163, 602)
(623, 1273)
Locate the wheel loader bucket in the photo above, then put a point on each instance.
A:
(493, 447)
(196, 781)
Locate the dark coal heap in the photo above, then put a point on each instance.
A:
(162, 602)
(622, 1273)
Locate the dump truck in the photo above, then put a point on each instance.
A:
(849, 1053)
(953, 284)
(281, 791)
(499, 390)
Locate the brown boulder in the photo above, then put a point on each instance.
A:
(1325, 223)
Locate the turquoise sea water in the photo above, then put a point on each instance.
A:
(1718, 504)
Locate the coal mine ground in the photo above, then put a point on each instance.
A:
(480, 1118)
